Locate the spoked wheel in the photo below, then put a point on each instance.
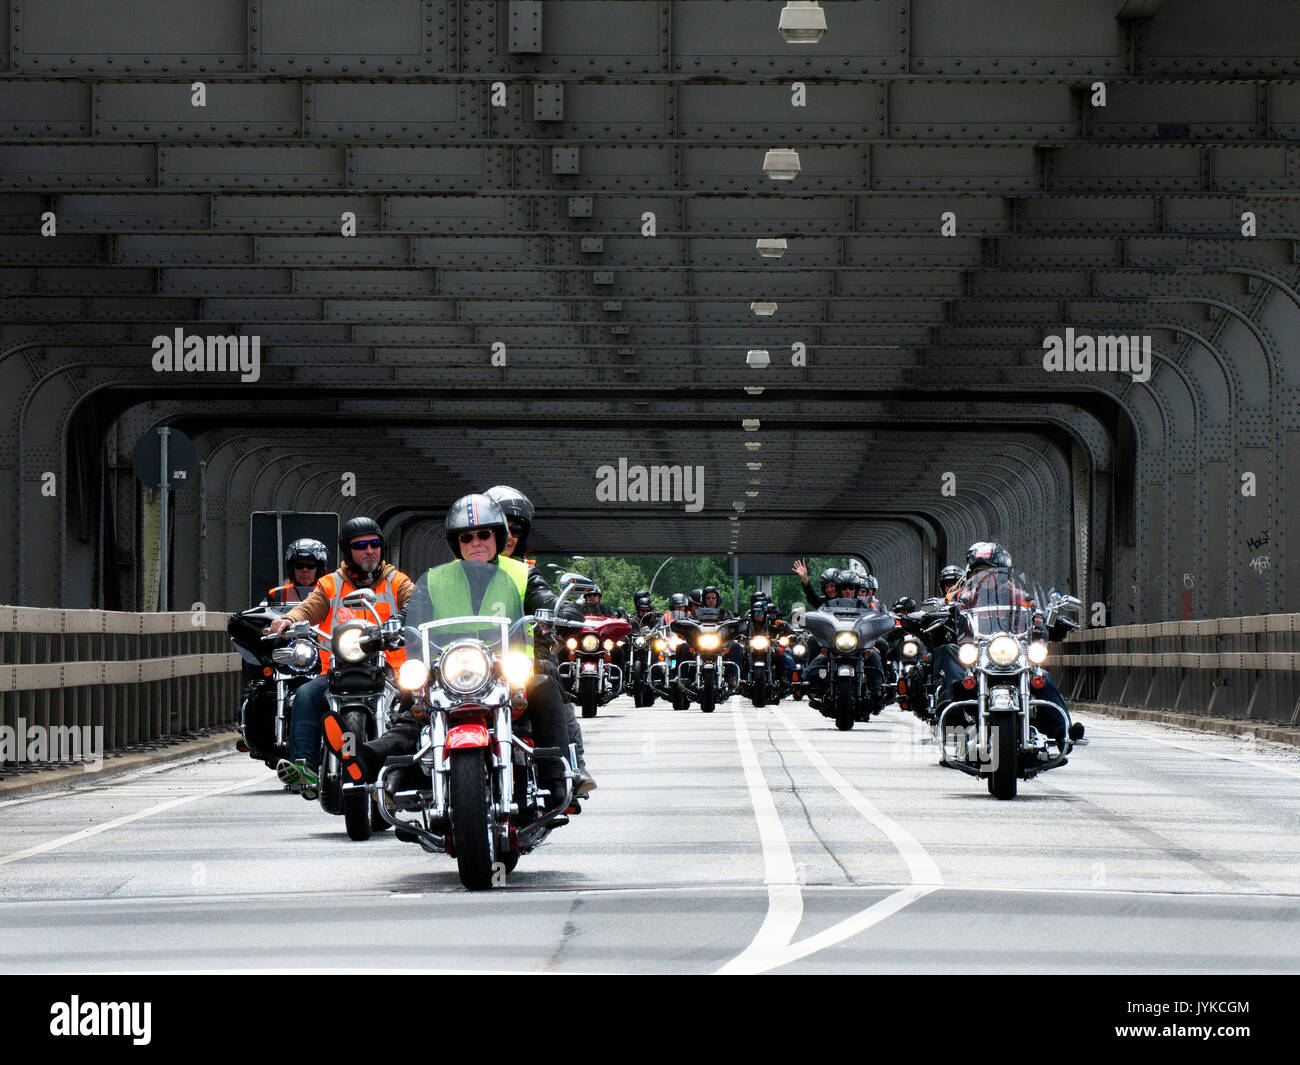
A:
(1006, 746)
(844, 703)
(471, 824)
(587, 696)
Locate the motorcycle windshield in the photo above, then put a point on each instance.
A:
(467, 601)
(824, 624)
(998, 600)
(873, 625)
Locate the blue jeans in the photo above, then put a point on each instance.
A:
(309, 706)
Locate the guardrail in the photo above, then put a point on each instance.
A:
(140, 679)
(1246, 668)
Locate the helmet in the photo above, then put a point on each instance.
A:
(829, 576)
(871, 584)
(711, 589)
(696, 597)
(846, 578)
(756, 598)
(593, 590)
(474, 512)
(303, 550)
(949, 575)
(985, 553)
(354, 528)
(514, 504)
(642, 602)
(677, 601)
(904, 604)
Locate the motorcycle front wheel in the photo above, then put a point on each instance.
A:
(1006, 771)
(708, 693)
(471, 823)
(587, 696)
(758, 692)
(355, 801)
(844, 703)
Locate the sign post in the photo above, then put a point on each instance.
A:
(163, 457)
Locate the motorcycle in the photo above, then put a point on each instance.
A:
(266, 706)
(586, 670)
(703, 674)
(362, 691)
(647, 651)
(759, 675)
(1003, 645)
(846, 634)
(476, 795)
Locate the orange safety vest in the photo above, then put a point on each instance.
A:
(281, 594)
(335, 586)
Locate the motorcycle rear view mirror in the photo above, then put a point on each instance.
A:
(282, 656)
(576, 580)
(362, 597)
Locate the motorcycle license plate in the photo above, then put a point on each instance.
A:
(589, 667)
(845, 671)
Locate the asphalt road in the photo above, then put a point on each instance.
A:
(743, 841)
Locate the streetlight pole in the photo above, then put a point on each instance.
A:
(657, 572)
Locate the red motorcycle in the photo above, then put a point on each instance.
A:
(588, 673)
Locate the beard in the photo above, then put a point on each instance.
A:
(366, 568)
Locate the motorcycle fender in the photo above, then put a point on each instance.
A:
(463, 736)
(844, 671)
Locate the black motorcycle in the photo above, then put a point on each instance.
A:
(705, 675)
(276, 672)
(838, 687)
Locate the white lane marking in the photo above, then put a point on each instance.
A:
(784, 897)
(1201, 750)
(117, 822)
(109, 779)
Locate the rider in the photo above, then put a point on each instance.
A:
(644, 615)
(476, 530)
(696, 597)
(762, 620)
(361, 545)
(519, 512)
(868, 590)
(947, 581)
(304, 564)
(826, 582)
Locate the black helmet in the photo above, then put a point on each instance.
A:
(589, 592)
(904, 604)
(641, 602)
(303, 551)
(871, 584)
(696, 597)
(711, 589)
(677, 601)
(985, 554)
(947, 576)
(514, 505)
(846, 578)
(474, 512)
(351, 530)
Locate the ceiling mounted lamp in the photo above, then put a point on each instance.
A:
(757, 357)
(739, 504)
(754, 465)
(763, 308)
(753, 445)
(802, 22)
(756, 480)
(754, 390)
(750, 425)
(750, 494)
(771, 247)
(781, 164)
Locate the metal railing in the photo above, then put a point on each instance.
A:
(141, 679)
(1246, 668)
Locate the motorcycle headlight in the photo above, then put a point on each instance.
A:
(591, 642)
(785, 641)
(760, 643)
(799, 650)
(413, 675)
(639, 642)
(911, 648)
(464, 669)
(1004, 650)
(304, 653)
(660, 645)
(710, 641)
(675, 642)
(846, 641)
(571, 644)
(968, 654)
(609, 645)
(1038, 653)
(348, 646)
(517, 667)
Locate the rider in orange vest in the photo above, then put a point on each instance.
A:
(361, 546)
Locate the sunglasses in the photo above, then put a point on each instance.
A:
(366, 545)
(516, 528)
(304, 565)
(477, 534)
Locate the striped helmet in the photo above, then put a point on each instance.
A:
(474, 512)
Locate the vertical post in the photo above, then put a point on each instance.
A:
(203, 531)
(164, 477)
(735, 584)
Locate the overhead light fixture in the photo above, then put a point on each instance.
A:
(753, 445)
(763, 308)
(771, 247)
(781, 164)
(739, 504)
(756, 480)
(750, 493)
(754, 465)
(757, 357)
(754, 390)
(750, 425)
(802, 22)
